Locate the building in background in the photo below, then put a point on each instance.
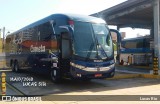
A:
(114, 36)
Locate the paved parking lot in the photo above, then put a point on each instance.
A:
(43, 86)
(67, 85)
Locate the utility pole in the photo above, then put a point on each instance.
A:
(156, 14)
(0, 33)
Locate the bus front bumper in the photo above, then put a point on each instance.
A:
(93, 73)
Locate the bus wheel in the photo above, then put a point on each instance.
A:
(55, 75)
(16, 67)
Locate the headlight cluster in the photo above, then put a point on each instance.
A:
(77, 66)
(92, 69)
(111, 66)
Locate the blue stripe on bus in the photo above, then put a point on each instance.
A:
(136, 50)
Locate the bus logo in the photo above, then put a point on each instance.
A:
(98, 60)
(37, 48)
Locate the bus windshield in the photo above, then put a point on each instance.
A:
(92, 41)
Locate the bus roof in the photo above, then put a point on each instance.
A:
(74, 17)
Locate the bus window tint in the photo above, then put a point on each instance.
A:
(83, 40)
(104, 39)
(46, 31)
(88, 36)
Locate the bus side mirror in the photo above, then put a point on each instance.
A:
(64, 28)
(67, 29)
(118, 43)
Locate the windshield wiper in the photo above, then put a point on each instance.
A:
(101, 48)
(89, 53)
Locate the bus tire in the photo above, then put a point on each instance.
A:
(16, 66)
(55, 75)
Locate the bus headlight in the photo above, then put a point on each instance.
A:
(77, 66)
(111, 66)
(79, 75)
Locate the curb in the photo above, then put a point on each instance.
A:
(150, 76)
(128, 66)
(127, 76)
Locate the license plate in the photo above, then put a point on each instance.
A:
(98, 75)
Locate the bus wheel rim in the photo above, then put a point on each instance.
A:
(53, 75)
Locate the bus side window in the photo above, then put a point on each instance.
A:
(45, 31)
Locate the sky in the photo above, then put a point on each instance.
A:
(15, 14)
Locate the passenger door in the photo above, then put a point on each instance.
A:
(65, 51)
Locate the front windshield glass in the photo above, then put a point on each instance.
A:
(104, 41)
(92, 41)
